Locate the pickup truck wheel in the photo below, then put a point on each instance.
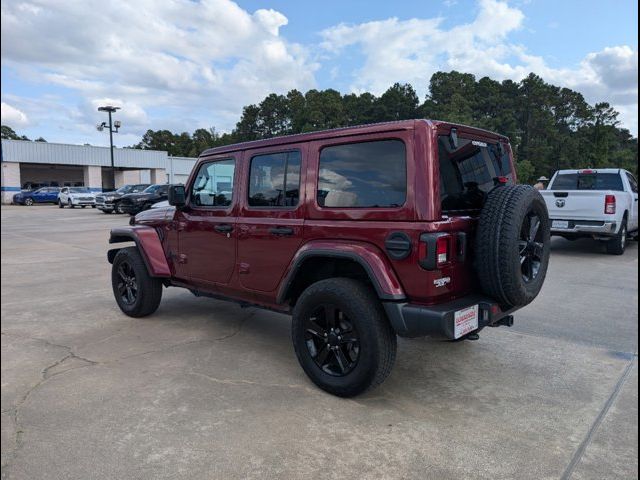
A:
(136, 292)
(618, 244)
(513, 244)
(342, 337)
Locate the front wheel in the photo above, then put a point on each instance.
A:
(342, 337)
(137, 293)
(618, 244)
(28, 202)
(60, 204)
(70, 204)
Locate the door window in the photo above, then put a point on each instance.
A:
(213, 186)
(363, 175)
(274, 180)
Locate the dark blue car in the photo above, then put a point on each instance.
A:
(41, 195)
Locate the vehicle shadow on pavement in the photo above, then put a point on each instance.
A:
(585, 246)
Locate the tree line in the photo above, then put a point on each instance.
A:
(550, 127)
(10, 134)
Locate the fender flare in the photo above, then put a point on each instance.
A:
(375, 264)
(148, 243)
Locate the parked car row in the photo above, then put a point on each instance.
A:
(129, 199)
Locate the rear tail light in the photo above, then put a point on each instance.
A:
(442, 250)
(610, 204)
(434, 250)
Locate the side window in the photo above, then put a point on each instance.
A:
(213, 186)
(274, 180)
(363, 175)
(633, 182)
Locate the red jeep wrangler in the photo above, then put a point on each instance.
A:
(408, 228)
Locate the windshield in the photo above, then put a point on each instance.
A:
(469, 171)
(588, 181)
(125, 189)
(79, 190)
(152, 189)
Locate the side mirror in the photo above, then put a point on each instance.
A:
(177, 195)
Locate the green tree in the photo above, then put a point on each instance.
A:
(9, 134)
(399, 102)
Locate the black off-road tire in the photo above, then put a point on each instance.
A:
(618, 244)
(377, 340)
(498, 244)
(149, 289)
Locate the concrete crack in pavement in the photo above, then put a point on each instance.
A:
(577, 456)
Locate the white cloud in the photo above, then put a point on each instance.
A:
(13, 117)
(412, 50)
(202, 60)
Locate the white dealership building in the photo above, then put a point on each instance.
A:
(26, 164)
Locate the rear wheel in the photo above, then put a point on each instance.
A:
(618, 244)
(342, 337)
(137, 293)
(60, 204)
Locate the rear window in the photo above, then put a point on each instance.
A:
(587, 181)
(363, 175)
(469, 171)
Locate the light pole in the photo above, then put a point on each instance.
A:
(110, 109)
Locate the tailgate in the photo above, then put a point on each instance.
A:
(576, 204)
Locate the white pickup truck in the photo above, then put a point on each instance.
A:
(602, 204)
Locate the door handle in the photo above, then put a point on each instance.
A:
(223, 228)
(281, 231)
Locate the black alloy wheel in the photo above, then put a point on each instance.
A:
(531, 247)
(332, 340)
(137, 293)
(127, 285)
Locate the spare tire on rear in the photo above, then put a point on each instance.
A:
(513, 244)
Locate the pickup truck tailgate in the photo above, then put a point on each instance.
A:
(576, 204)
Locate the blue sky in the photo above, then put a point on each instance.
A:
(183, 65)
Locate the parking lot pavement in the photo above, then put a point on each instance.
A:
(205, 389)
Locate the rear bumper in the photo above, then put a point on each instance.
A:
(410, 320)
(586, 227)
